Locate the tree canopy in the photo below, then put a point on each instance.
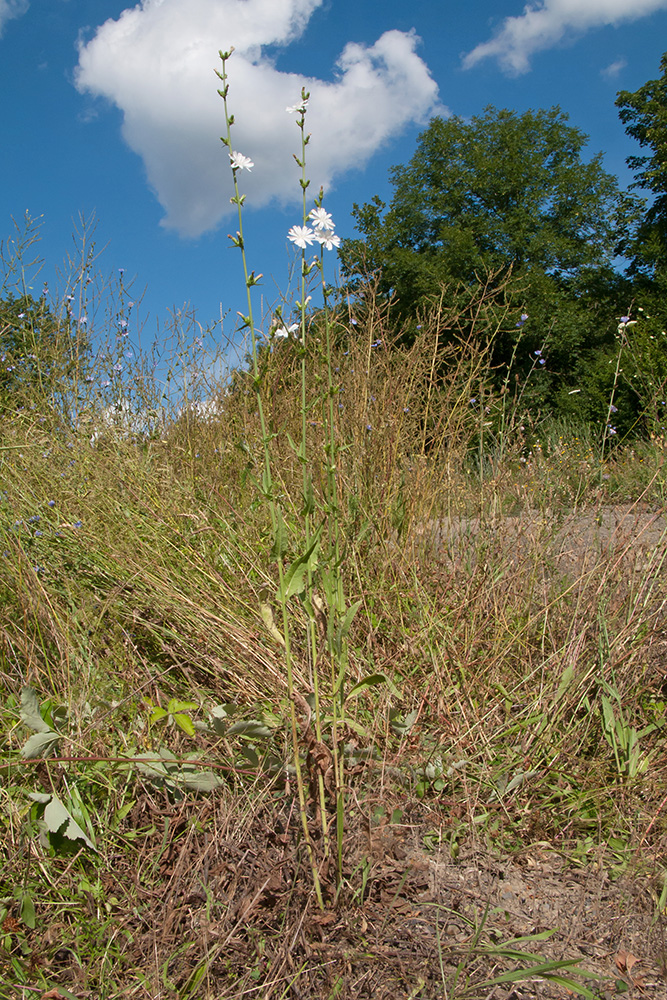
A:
(503, 190)
(644, 114)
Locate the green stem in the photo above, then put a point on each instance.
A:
(307, 478)
(267, 482)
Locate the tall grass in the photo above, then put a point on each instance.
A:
(381, 584)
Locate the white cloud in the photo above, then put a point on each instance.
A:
(544, 24)
(10, 9)
(156, 62)
(611, 71)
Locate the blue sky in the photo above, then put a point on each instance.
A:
(110, 110)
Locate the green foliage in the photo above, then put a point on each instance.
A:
(644, 114)
(506, 201)
(503, 191)
(40, 353)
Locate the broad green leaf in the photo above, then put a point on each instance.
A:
(402, 725)
(519, 779)
(59, 716)
(200, 781)
(252, 729)
(356, 727)
(219, 725)
(458, 765)
(157, 714)
(57, 817)
(279, 547)
(150, 765)
(565, 681)
(30, 713)
(120, 814)
(39, 745)
(608, 714)
(168, 769)
(181, 706)
(223, 711)
(80, 812)
(298, 449)
(308, 499)
(251, 756)
(185, 723)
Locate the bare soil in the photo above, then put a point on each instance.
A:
(231, 899)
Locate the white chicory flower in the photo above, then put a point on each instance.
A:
(321, 219)
(301, 235)
(299, 109)
(240, 162)
(282, 333)
(328, 239)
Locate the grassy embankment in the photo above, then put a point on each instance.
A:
(523, 699)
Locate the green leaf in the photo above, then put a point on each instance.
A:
(346, 624)
(157, 714)
(150, 765)
(200, 781)
(608, 714)
(402, 726)
(30, 713)
(542, 969)
(185, 723)
(298, 449)
(357, 727)
(294, 580)
(40, 797)
(565, 681)
(39, 745)
(181, 706)
(27, 910)
(251, 729)
(518, 780)
(279, 547)
(251, 756)
(373, 680)
(59, 819)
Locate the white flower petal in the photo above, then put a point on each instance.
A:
(240, 162)
(328, 239)
(299, 109)
(301, 235)
(321, 219)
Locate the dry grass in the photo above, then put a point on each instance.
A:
(513, 596)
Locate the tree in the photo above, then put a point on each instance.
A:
(40, 354)
(508, 195)
(502, 190)
(644, 114)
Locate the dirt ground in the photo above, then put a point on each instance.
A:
(573, 543)
(239, 903)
